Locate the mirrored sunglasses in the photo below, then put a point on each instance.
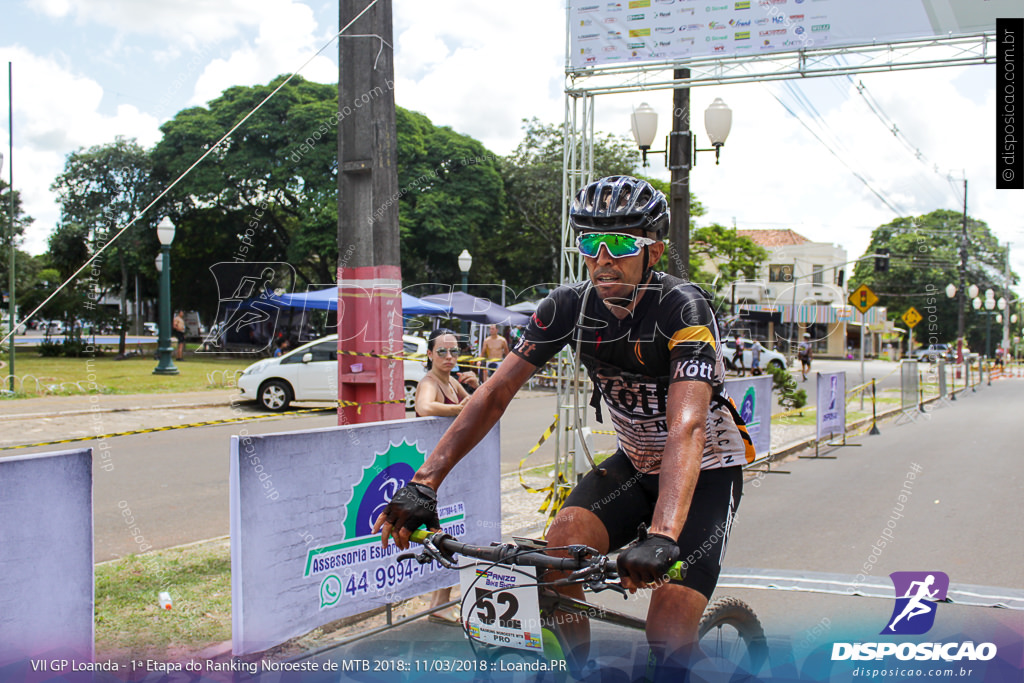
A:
(617, 244)
(454, 353)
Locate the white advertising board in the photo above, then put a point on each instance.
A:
(607, 33)
(910, 384)
(753, 399)
(831, 403)
(46, 557)
(303, 504)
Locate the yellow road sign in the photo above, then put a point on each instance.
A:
(911, 317)
(863, 298)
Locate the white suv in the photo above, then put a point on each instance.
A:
(767, 357)
(310, 373)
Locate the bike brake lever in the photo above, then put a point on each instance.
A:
(438, 555)
(422, 557)
(606, 585)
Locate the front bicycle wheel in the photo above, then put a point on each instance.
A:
(731, 633)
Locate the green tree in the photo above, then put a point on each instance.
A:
(452, 198)
(101, 190)
(25, 268)
(924, 258)
(532, 237)
(269, 193)
(734, 256)
(68, 249)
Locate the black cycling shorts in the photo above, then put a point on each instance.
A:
(624, 498)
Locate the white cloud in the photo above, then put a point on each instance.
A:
(190, 21)
(287, 38)
(56, 111)
(479, 67)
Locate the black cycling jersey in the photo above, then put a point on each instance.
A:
(671, 336)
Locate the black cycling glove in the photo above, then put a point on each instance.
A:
(648, 558)
(413, 505)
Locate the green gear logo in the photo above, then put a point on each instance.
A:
(390, 471)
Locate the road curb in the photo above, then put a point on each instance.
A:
(123, 409)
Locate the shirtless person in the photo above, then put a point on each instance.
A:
(494, 351)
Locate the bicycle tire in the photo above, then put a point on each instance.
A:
(730, 630)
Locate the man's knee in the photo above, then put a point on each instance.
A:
(574, 525)
(674, 614)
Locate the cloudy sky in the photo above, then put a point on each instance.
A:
(87, 70)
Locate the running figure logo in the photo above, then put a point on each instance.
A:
(916, 595)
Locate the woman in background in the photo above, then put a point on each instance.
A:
(439, 394)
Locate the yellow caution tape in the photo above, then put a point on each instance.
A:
(557, 491)
(543, 437)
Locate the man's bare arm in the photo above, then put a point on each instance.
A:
(485, 408)
(680, 465)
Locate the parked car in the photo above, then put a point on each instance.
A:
(150, 328)
(309, 373)
(933, 352)
(767, 357)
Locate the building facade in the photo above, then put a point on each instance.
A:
(800, 288)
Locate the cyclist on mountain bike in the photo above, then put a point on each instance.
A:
(650, 343)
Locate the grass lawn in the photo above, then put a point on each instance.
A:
(40, 376)
(129, 621)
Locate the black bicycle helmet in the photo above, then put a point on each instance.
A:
(619, 202)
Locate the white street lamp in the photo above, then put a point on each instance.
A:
(159, 263)
(644, 121)
(950, 290)
(165, 233)
(972, 291)
(465, 262)
(718, 123)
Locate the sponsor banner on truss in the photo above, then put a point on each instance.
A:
(609, 33)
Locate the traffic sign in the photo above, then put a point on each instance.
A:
(863, 298)
(911, 317)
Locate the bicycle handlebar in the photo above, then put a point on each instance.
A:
(504, 553)
(586, 560)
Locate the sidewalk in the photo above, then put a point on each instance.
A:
(51, 406)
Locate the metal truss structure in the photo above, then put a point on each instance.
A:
(584, 84)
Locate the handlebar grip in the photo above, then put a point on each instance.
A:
(677, 572)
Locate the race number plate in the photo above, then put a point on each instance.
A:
(499, 605)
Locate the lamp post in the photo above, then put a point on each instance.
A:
(12, 302)
(989, 303)
(680, 155)
(165, 233)
(961, 294)
(465, 263)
